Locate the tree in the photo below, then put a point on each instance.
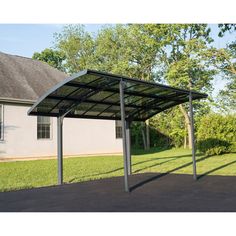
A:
(128, 50)
(78, 47)
(227, 58)
(173, 53)
(143, 50)
(111, 50)
(52, 57)
(227, 96)
(223, 60)
(226, 28)
(171, 124)
(120, 49)
(185, 64)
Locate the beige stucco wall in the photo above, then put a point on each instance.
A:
(81, 136)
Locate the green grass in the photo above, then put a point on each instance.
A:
(28, 174)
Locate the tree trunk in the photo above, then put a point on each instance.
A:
(189, 136)
(185, 141)
(185, 137)
(145, 130)
(144, 140)
(147, 134)
(187, 124)
(136, 140)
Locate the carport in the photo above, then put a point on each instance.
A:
(92, 94)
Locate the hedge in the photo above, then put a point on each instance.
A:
(216, 134)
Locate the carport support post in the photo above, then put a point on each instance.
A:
(60, 149)
(124, 135)
(192, 134)
(129, 163)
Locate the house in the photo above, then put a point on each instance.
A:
(22, 82)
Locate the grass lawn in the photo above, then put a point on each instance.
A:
(28, 174)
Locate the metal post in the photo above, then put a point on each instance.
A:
(128, 147)
(193, 138)
(60, 149)
(124, 138)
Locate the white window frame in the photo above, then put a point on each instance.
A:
(118, 125)
(50, 130)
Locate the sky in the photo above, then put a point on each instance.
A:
(25, 39)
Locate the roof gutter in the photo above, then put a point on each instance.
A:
(16, 101)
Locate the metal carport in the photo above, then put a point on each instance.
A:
(97, 95)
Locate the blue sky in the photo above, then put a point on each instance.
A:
(25, 39)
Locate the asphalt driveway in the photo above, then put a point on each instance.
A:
(151, 192)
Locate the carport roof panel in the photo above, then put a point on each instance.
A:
(93, 94)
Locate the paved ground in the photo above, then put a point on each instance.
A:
(151, 192)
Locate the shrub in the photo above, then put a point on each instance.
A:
(216, 134)
(214, 146)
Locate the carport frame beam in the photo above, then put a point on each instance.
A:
(193, 137)
(124, 136)
(60, 149)
(129, 161)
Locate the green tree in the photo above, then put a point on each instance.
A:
(223, 60)
(128, 50)
(173, 53)
(227, 96)
(185, 63)
(226, 28)
(143, 49)
(120, 49)
(227, 57)
(171, 124)
(78, 47)
(52, 57)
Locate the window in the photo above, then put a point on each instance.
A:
(118, 129)
(1, 122)
(43, 127)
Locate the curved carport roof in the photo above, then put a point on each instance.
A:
(97, 95)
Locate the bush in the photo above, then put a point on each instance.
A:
(216, 134)
(214, 146)
(171, 124)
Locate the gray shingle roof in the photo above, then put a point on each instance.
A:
(25, 78)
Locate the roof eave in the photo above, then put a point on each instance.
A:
(17, 101)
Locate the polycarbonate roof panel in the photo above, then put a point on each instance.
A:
(93, 94)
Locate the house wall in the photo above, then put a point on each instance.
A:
(81, 136)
